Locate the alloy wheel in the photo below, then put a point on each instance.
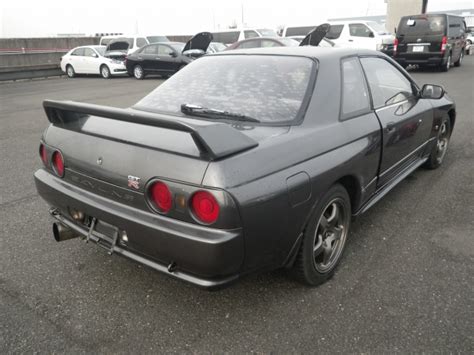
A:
(442, 143)
(330, 236)
(138, 72)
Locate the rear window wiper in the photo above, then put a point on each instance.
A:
(196, 110)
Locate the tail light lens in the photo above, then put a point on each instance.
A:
(43, 154)
(58, 163)
(395, 46)
(205, 207)
(444, 41)
(160, 196)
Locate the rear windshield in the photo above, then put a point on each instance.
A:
(226, 37)
(298, 31)
(268, 88)
(422, 25)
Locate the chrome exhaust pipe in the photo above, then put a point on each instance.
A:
(61, 232)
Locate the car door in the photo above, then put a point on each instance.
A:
(76, 59)
(165, 61)
(147, 57)
(91, 61)
(406, 120)
(361, 36)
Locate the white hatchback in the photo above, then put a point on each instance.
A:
(91, 60)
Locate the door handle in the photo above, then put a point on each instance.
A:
(390, 127)
(351, 40)
(157, 58)
(140, 58)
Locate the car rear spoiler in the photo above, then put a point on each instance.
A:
(214, 140)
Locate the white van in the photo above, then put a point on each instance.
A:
(361, 34)
(135, 42)
(234, 35)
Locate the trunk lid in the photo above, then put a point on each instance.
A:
(118, 145)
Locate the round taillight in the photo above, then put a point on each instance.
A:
(43, 154)
(160, 196)
(205, 207)
(58, 163)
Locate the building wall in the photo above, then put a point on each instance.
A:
(398, 8)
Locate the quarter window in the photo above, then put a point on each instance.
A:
(387, 84)
(360, 30)
(141, 42)
(355, 96)
(250, 34)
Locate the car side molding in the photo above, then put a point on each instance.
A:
(213, 139)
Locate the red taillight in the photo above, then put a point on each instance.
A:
(43, 154)
(160, 196)
(395, 46)
(58, 163)
(205, 207)
(444, 41)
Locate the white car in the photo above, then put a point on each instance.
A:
(361, 34)
(234, 35)
(91, 60)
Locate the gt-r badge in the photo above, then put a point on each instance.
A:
(134, 182)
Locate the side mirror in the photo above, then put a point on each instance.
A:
(430, 91)
(371, 34)
(173, 54)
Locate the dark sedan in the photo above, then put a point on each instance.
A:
(243, 161)
(262, 42)
(166, 58)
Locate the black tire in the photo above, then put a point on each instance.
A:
(439, 150)
(459, 61)
(325, 238)
(138, 72)
(445, 67)
(70, 71)
(105, 71)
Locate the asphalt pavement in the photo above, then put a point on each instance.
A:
(406, 283)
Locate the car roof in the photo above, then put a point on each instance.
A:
(320, 53)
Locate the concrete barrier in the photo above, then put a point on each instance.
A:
(22, 58)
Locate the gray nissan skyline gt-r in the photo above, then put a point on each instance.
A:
(243, 161)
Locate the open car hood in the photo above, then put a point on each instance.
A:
(316, 36)
(121, 45)
(199, 41)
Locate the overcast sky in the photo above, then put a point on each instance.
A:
(36, 18)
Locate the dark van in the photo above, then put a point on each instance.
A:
(430, 39)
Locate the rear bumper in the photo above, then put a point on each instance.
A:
(203, 256)
(421, 58)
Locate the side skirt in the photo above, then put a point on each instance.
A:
(379, 194)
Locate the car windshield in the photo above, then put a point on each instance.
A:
(377, 27)
(265, 32)
(100, 50)
(421, 25)
(156, 39)
(268, 88)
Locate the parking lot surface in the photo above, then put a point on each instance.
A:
(406, 283)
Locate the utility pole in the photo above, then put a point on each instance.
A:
(242, 12)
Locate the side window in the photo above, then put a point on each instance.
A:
(360, 30)
(88, 52)
(387, 84)
(153, 49)
(334, 31)
(250, 34)
(164, 50)
(355, 96)
(141, 42)
(78, 52)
